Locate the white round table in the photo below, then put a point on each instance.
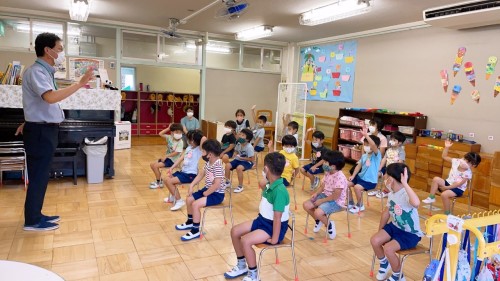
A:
(13, 270)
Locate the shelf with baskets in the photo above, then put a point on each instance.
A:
(352, 120)
(151, 112)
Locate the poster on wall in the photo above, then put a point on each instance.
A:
(329, 71)
(78, 66)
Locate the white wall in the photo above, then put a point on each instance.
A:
(401, 71)
(228, 90)
(177, 80)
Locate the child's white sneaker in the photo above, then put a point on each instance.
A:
(317, 227)
(372, 192)
(169, 199)
(238, 189)
(381, 194)
(332, 231)
(235, 272)
(250, 277)
(315, 183)
(356, 209)
(155, 185)
(383, 271)
(179, 204)
(429, 200)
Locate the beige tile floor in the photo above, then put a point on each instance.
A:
(121, 230)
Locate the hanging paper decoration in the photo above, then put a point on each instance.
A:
(469, 73)
(496, 89)
(475, 96)
(490, 66)
(458, 60)
(444, 79)
(455, 93)
(308, 69)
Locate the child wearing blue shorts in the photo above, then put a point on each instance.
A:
(316, 166)
(228, 141)
(212, 194)
(331, 195)
(243, 159)
(273, 215)
(189, 169)
(365, 175)
(402, 232)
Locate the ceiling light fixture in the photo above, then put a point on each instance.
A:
(255, 33)
(341, 9)
(79, 9)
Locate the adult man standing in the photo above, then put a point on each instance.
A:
(43, 115)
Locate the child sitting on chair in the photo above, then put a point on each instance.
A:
(228, 141)
(456, 183)
(316, 166)
(241, 121)
(258, 132)
(365, 175)
(331, 196)
(394, 154)
(289, 144)
(212, 194)
(189, 169)
(271, 224)
(403, 232)
(244, 158)
(174, 150)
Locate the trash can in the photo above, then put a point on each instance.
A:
(96, 151)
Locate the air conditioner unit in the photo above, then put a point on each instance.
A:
(464, 15)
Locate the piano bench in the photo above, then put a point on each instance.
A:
(68, 153)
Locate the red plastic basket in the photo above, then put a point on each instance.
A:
(356, 135)
(346, 150)
(345, 133)
(355, 154)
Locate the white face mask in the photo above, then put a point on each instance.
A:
(177, 136)
(60, 57)
(367, 148)
(290, 150)
(190, 114)
(371, 129)
(392, 143)
(227, 130)
(315, 144)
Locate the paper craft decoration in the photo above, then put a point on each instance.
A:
(475, 96)
(78, 67)
(490, 66)
(496, 89)
(455, 93)
(329, 71)
(469, 73)
(458, 60)
(444, 79)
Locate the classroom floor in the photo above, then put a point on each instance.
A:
(122, 230)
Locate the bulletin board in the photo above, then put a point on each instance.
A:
(329, 71)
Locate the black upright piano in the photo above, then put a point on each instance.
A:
(78, 125)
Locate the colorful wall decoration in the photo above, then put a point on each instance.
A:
(329, 71)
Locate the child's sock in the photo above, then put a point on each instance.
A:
(190, 219)
(383, 262)
(351, 202)
(394, 276)
(252, 272)
(242, 262)
(432, 196)
(317, 221)
(196, 228)
(158, 181)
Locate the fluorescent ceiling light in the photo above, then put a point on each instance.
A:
(79, 9)
(46, 27)
(339, 10)
(213, 48)
(255, 33)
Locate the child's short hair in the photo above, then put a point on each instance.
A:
(375, 139)
(188, 108)
(289, 140)
(195, 136)
(176, 127)
(275, 162)
(263, 118)
(248, 134)
(395, 170)
(318, 135)
(294, 125)
(397, 135)
(377, 122)
(335, 158)
(231, 124)
(239, 110)
(473, 158)
(212, 146)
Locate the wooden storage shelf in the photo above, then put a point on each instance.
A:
(152, 115)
